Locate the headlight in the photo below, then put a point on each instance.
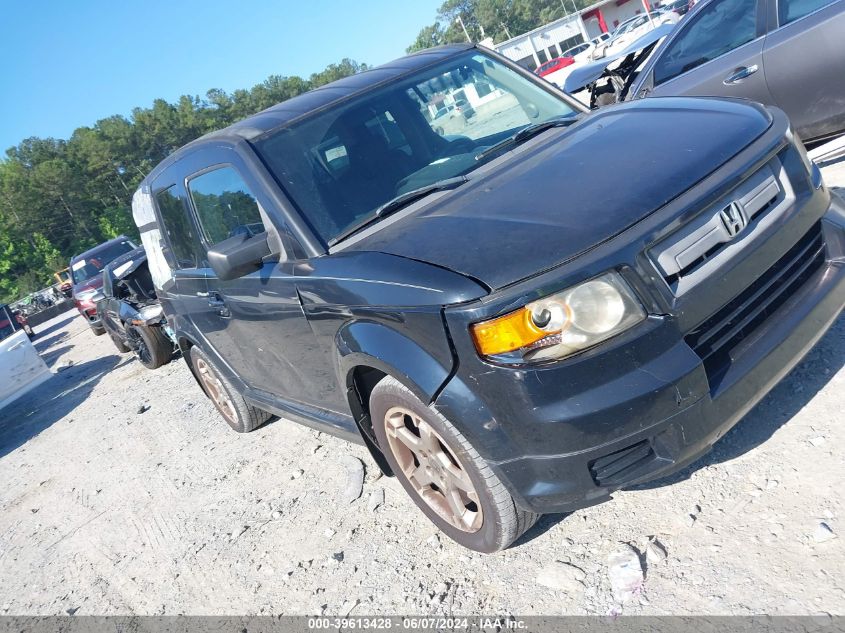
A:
(562, 324)
(150, 314)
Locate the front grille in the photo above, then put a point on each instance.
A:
(623, 466)
(714, 339)
(686, 257)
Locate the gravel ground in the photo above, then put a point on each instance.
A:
(110, 507)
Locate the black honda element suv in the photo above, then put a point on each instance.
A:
(517, 312)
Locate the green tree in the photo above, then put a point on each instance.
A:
(58, 197)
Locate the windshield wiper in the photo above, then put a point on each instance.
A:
(524, 134)
(400, 201)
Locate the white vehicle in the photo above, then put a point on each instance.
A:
(21, 368)
(580, 53)
(632, 29)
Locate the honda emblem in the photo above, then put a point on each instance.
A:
(733, 219)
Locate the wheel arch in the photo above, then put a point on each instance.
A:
(368, 352)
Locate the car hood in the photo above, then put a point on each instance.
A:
(573, 189)
(94, 283)
(588, 73)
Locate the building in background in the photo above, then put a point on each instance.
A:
(536, 47)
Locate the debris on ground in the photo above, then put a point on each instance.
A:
(562, 576)
(143, 409)
(376, 499)
(625, 573)
(823, 533)
(655, 552)
(354, 478)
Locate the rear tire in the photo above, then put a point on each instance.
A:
(150, 346)
(452, 484)
(237, 412)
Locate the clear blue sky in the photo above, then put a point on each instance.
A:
(67, 64)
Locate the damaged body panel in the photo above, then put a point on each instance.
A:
(131, 313)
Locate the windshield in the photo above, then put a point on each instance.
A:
(90, 266)
(630, 25)
(341, 165)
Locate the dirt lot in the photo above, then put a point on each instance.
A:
(105, 509)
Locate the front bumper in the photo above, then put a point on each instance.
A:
(91, 316)
(565, 438)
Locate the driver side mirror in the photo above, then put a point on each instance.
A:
(239, 255)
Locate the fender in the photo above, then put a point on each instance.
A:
(380, 347)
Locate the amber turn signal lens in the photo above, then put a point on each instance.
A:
(506, 333)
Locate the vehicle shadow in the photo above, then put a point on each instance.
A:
(28, 416)
(791, 395)
(43, 345)
(58, 323)
(55, 354)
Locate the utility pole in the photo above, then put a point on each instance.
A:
(463, 26)
(507, 32)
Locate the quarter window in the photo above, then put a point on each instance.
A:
(225, 206)
(722, 26)
(791, 10)
(177, 226)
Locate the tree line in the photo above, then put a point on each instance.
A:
(498, 19)
(59, 197)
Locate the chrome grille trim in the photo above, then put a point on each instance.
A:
(695, 250)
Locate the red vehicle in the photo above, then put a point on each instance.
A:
(554, 65)
(85, 272)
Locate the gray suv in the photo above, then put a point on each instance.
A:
(788, 53)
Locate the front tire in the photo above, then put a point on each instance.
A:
(150, 346)
(239, 414)
(442, 472)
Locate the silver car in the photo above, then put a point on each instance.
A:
(788, 53)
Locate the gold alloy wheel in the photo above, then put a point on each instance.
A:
(216, 391)
(431, 467)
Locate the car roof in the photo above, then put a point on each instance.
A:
(96, 249)
(317, 99)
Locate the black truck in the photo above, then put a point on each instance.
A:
(517, 313)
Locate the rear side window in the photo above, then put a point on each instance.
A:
(224, 204)
(719, 28)
(791, 10)
(177, 226)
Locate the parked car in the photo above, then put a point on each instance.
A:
(86, 274)
(722, 46)
(518, 320)
(632, 29)
(609, 79)
(579, 53)
(681, 7)
(21, 368)
(129, 310)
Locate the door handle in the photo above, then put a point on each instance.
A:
(739, 74)
(217, 302)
